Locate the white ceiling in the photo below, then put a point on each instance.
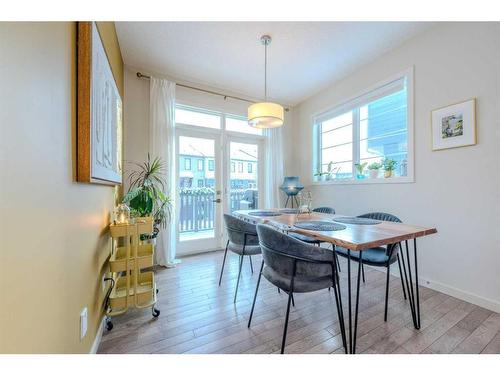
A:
(303, 58)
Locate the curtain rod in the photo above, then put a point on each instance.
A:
(140, 75)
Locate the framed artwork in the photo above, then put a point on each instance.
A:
(99, 119)
(454, 125)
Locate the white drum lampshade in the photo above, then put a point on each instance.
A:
(265, 115)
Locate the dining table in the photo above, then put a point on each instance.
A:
(355, 235)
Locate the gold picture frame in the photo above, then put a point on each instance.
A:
(100, 112)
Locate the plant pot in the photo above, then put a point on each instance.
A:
(374, 173)
(388, 174)
(328, 177)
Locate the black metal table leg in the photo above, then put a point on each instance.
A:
(351, 347)
(413, 293)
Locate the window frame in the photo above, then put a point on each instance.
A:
(186, 160)
(353, 103)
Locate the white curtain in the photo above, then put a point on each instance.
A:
(162, 144)
(273, 167)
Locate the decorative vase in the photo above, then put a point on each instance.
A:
(388, 174)
(374, 173)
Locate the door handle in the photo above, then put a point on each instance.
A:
(218, 200)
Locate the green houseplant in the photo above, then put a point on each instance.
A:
(374, 169)
(360, 170)
(389, 166)
(146, 196)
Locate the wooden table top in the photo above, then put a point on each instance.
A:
(354, 237)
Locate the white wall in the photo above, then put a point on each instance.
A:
(136, 115)
(456, 190)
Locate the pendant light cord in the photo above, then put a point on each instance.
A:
(265, 71)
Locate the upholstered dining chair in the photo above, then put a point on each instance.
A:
(382, 256)
(296, 267)
(312, 240)
(242, 240)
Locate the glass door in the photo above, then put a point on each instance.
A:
(199, 192)
(244, 169)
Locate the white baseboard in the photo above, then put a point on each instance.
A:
(461, 294)
(98, 337)
(454, 292)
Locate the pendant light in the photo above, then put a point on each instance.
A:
(265, 115)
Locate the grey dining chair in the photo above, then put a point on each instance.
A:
(296, 267)
(312, 240)
(242, 240)
(382, 256)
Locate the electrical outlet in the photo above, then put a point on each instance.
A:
(83, 323)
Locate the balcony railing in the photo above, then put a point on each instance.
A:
(197, 208)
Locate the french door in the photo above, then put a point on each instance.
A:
(216, 173)
(199, 192)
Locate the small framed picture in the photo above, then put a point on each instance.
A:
(454, 125)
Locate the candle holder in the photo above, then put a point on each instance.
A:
(291, 187)
(122, 214)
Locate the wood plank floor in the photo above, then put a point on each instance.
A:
(198, 316)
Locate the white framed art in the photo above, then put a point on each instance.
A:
(454, 125)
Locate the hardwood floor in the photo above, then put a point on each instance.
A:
(198, 316)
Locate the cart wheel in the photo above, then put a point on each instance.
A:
(109, 325)
(155, 312)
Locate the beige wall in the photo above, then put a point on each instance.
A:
(455, 190)
(54, 241)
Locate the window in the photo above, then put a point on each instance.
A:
(200, 183)
(211, 165)
(187, 164)
(240, 125)
(240, 167)
(187, 115)
(233, 166)
(200, 164)
(197, 117)
(369, 129)
(249, 167)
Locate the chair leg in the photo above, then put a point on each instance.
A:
(336, 259)
(387, 292)
(223, 262)
(251, 265)
(401, 276)
(279, 291)
(363, 271)
(293, 301)
(255, 295)
(290, 296)
(238, 282)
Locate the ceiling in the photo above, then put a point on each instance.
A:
(303, 58)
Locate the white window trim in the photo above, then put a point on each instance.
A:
(342, 107)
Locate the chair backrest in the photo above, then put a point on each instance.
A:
(279, 251)
(325, 210)
(384, 217)
(381, 216)
(236, 229)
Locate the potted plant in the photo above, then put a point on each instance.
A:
(146, 196)
(329, 171)
(321, 175)
(360, 170)
(389, 166)
(374, 169)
